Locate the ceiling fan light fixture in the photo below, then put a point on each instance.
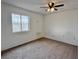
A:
(48, 10)
(52, 9)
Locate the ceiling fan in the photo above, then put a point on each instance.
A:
(51, 7)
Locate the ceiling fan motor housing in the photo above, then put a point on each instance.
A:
(51, 4)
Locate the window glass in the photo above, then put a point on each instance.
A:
(20, 23)
(16, 23)
(25, 23)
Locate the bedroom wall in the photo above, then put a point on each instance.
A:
(10, 39)
(62, 26)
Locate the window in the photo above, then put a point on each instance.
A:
(20, 23)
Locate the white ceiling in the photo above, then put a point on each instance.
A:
(34, 5)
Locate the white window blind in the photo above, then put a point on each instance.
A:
(20, 23)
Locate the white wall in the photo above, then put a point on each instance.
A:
(62, 26)
(10, 39)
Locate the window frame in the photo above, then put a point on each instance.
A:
(21, 23)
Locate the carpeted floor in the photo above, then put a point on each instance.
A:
(43, 49)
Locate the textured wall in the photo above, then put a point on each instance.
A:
(10, 39)
(62, 26)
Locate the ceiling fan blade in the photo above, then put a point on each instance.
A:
(55, 9)
(44, 7)
(59, 5)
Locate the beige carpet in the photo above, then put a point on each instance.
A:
(43, 49)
